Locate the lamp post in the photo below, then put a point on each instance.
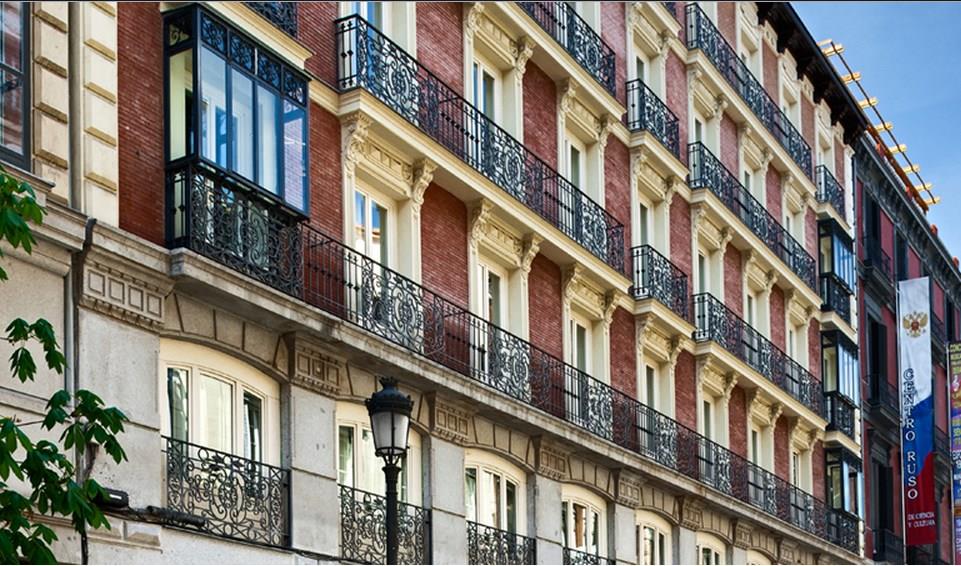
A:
(389, 411)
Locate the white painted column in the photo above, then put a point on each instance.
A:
(446, 501)
(545, 521)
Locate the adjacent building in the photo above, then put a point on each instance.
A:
(607, 248)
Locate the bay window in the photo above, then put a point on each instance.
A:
(14, 77)
(235, 107)
(839, 366)
(844, 481)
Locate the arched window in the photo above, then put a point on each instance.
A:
(711, 550)
(755, 557)
(583, 520)
(495, 492)
(357, 465)
(654, 540)
(219, 402)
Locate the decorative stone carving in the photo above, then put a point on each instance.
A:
(315, 369)
(354, 129)
(119, 294)
(532, 244)
(787, 552)
(692, 514)
(577, 290)
(628, 490)
(479, 222)
(551, 463)
(449, 421)
(523, 49)
(423, 175)
(742, 534)
(472, 18)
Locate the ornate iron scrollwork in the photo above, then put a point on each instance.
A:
(487, 545)
(647, 112)
(363, 523)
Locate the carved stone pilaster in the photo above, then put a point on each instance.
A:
(532, 245)
(423, 175)
(692, 514)
(480, 219)
(742, 534)
(449, 421)
(551, 462)
(628, 489)
(314, 368)
(353, 134)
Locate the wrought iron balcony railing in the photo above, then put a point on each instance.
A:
(707, 172)
(888, 547)
(363, 537)
(883, 401)
(829, 190)
(281, 14)
(568, 28)
(326, 274)
(572, 556)
(671, 7)
(877, 259)
(369, 60)
(702, 34)
(646, 112)
(843, 529)
(236, 498)
(487, 545)
(714, 321)
(835, 296)
(942, 445)
(656, 277)
(938, 334)
(841, 413)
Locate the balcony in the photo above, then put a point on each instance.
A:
(656, 277)
(715, 322)
(707, 172)
(367, 59)
(646, 112)
(572, 556)
(942, 445)
(227, 495)
(487, 545)
(570, 31)
(281, 14)
(835, 296)
(878, 270)
(883, 402)
(841, 414)
(324, 273)
(703, 35)
(829, 190)
(843, 529)
(888, 547)
(362, 529)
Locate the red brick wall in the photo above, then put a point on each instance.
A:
(817, 471)
(613, 32)
(315, 31)
(782, 451)
(685, 391)
(540, 114)
(811, 233)
(733, 281)
(729, 148)
(772, 185)
(140, 113)
(676, 95)
(769, 62)
(623, 358)
(440, 41)
(326, 186)
(444, 234)
(726, 21)
(546, 326)
(814, 348)
(777, 318)
(839, 161)
(737, 422)
(807, 122)
(681, 238)
(887, 235)
(617, 194)
(940, 397)
(914, 263)
(891, 335)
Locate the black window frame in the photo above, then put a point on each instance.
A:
(292, 85)
(901, 262)
(842, 254)
(840, 342)
(21, 160)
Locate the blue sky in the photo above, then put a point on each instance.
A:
(908, 56)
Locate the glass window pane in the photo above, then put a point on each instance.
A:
(295, 156)
(180, 104)
(345, 456)
(488, 108)
(580, 526)
(575, 167)
(242, 124)
(213, 109)
(253, 427)
(11, 43)
(378, 233)
(511, 497)
(178, 400)
(564, 521)
(643, 221)
(494, 298)
(580, 347)
(370, 477)
(216, 403)
(661, 548)
(268, 158)
(648, 546)
(470, 493)
(360, 222)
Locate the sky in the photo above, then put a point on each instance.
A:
(908, 56)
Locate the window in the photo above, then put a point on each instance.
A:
(360, 468)
(234, 106)
(703, 275)
(576, 167)
(486, 90)
(372, 225)
(373, 12)
(644, 221)
(654, 545)
(584, 522)
(698, 131)
(708, 556)
(14, 87)
(843, 470)
(707, 422)
(580, 344)
(493, 290)
(839, 365)
(649, 388)
(219, 403)
(795, 468)
(901, 256)
(755, 446)
(494, 494)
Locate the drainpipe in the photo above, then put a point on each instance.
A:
(75, 118)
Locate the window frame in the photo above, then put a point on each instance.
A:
(482, 462)
(23, 159)
(571, 496)
(291, 88)
(661, 529)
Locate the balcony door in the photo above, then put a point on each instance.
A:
(577, 386)
(494, 349)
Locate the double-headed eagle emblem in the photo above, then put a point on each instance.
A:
(914, 323)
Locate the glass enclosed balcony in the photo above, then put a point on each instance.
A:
(838, 268)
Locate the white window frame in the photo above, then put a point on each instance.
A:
(660, 528)
(573, 142)
(390, 206)
(200, 361)
(718, 549)
(484, 462)
(480, 66)
(575, 321)
(574, 495)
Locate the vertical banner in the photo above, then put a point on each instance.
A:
(954, 388)
(917, 411)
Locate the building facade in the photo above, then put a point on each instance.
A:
(895, 242)
(607, 248)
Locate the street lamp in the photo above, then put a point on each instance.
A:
(389, 411)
